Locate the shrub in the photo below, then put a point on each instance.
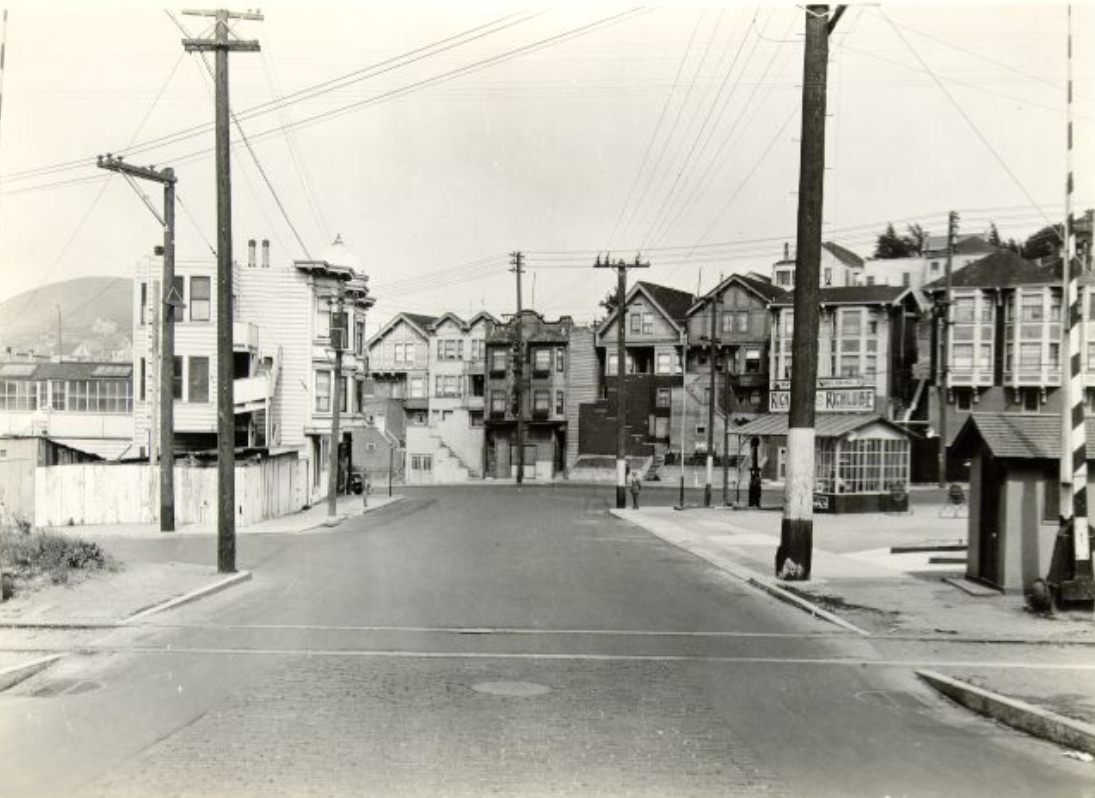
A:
(28, 557)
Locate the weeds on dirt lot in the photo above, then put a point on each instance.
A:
(30, 558)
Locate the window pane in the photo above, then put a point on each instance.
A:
(198, 380)
(179, 283)
(177, 383)
(199, 299)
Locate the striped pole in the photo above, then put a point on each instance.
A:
(1074, 442)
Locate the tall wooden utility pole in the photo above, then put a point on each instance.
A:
(944, 346)
(713, 309)
(339, 329)
(226, 420)
(519, 368)
(169, 301)
(621, 268)
(1070, 576)
(795, 552)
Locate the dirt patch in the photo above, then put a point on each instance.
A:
(837, 604)
(33, 559)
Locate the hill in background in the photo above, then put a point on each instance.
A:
(96, 312)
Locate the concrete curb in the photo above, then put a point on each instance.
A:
(1018, 714)
(193, 595)
(9, 677)
(754, 579)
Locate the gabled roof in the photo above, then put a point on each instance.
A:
(535, 329)
(670, 302)
(826, 425)
(853, 295)
(482, 316)
(968, 244)
(1016, 435)
(420, 322)
(1002, 269)
(761, 287)
(842, 254)
(448, 316)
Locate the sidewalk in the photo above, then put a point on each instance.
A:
(868, 589)
(314, 519)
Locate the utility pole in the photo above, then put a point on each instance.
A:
(169, 301)
(944, 346)
(726, 430)
(795, 552)
(519, 369)
(712, 308)
(221, 45)
(1070, 577)
(338, 328)
(684, 407)
(621, 268)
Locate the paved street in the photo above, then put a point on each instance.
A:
(495, 640)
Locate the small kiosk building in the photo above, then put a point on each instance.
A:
(861, 460)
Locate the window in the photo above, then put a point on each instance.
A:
(935, 267)
(648, 324)
(418, 387)
(359, 396)
(478, 385)
(1032, 308)
(867, 465)
(784, 278)
(663, 397)
(727, 322)
(541, 401)
(905, 279)
(1055, 307)
(1009, 357)
(498, 360)
(477, 349)
(1054, 356)
(177, 383)
(498, 403)
(963, 356)
(964, 310)
(827, 277)
(612, 364)
(144, 378)
(144, 302)
(18, 395)
(447, 385)
(560, 404)
(870, 280)
(323, 317)
(541, 360)
(199, 298)
(475, 419)
(57, 394)
(1091, 357)
(198, 380)
(359, 337)
(987, 309)
(1030, 356)
(752, 361)
(1030, 400)
(450, 349)
(741, 322)
(323, 391)
(422, 463)
(178, 283)
(404, 354)
(984, 356)
(851, 322)
(560, 360)
(636, 325)
(664, 364)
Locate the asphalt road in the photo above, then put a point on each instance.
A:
(496, 641)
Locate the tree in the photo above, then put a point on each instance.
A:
(890, 245)
(916, 239)
(1044, 243)
(609, 302)
(993, 237)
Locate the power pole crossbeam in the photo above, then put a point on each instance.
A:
(621, 268)
(221, 45)
(795, 552)
(169, 301)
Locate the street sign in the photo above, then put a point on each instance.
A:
(828, 400)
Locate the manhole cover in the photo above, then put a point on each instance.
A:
(511, 689)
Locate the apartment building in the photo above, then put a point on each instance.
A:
(399, 365)
(287, 316)
(1004, 343)
(539, 398)
(915, 272)
(839, 267)
(654, 317)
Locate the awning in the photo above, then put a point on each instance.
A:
(826, 425)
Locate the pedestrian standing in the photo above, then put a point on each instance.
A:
(636, 486)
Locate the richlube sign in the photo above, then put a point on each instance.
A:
(834, 395)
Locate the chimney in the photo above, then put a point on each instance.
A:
(266, 253)
(786, 251)
(251, 253)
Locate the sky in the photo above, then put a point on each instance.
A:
(437, 138)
